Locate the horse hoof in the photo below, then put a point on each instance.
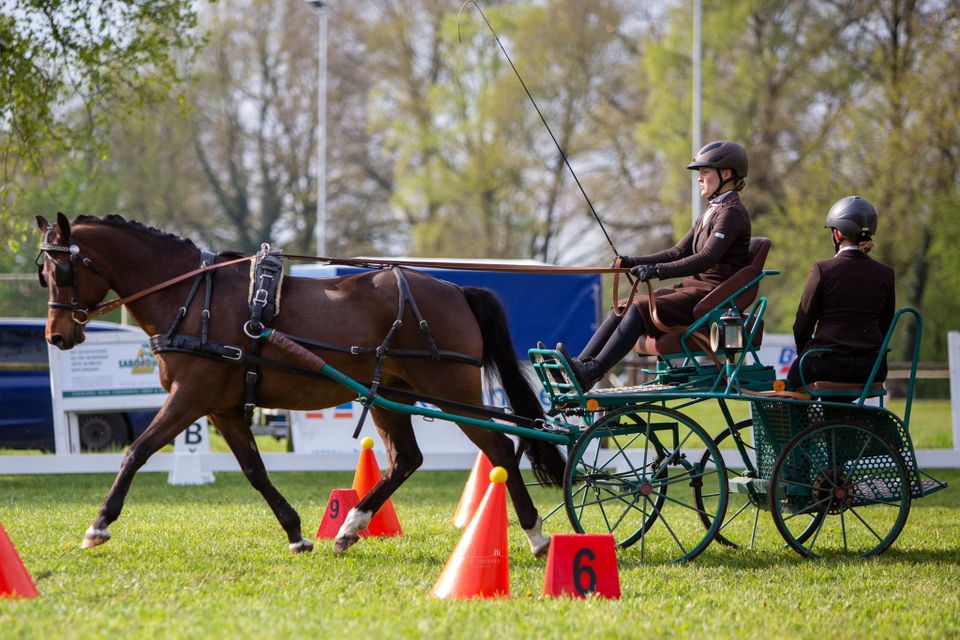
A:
(542, 551)
(94, 538)
(344, 542)
(301, 546)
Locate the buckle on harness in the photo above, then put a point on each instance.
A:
(237, 353)
(260, 297)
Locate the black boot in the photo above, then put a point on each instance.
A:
(587, 371)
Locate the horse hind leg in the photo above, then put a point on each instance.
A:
(499, 450)
(403, 458)
(235, 429)
(174, 416)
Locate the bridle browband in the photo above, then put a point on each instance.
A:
(65, 276)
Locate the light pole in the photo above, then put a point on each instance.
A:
(321, 227)
(697, 123)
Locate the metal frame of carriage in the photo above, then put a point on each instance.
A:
(837, 475)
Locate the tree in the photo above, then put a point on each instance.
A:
(68, 70)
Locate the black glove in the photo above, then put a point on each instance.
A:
(646, 272)
(626, 262)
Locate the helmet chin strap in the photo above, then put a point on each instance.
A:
(723, 182)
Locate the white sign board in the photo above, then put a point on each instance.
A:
(110, 371)
(778, 351)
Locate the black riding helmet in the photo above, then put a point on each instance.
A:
(853, 217)
(722, 154)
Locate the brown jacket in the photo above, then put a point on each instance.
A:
(847, 305)
(710, 252)
(705, 257)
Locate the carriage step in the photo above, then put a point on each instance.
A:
(744, 484)
(930, 485)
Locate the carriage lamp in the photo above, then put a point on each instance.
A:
(727, 334)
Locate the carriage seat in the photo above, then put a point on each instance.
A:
(670, 343)
(823, 388)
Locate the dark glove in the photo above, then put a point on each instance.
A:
(626, 262)
(646, 272)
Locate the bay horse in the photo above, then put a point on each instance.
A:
(84, 259)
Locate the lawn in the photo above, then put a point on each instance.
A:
(211, 561)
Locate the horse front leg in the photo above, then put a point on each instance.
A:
(173, 417)
(403, 456)
(235, 429)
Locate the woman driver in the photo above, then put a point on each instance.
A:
(715, 248)
(847, 304)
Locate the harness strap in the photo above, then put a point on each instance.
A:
(405, 298)
(309, 364)
(206, 259)
(355, 350)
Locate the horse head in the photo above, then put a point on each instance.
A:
(75, 284)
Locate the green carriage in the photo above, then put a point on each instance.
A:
(836, 473)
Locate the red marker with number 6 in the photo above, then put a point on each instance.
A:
(581, 565)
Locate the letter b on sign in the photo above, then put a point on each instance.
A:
(582, 564)
(194, 434)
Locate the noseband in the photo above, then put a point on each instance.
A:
(65, 276)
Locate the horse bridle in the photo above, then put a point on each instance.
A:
(65, 276)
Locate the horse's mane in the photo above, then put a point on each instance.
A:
(115, 220)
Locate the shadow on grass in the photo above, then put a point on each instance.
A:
(744, 560)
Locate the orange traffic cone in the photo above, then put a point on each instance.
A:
(479, 566)
(385, 522)
(15, 582)
(473, 491)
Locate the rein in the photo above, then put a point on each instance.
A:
(455, 266)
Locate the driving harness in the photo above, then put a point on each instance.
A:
(266, 279)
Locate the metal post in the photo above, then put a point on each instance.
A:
(953, 349)
(697, 123)
(320, 229)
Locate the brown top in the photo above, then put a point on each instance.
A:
(713, 251)
(850, 300)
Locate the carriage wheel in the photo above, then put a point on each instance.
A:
(742, 522)
(641, 466)
(854, 484)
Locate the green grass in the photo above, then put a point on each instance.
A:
(211, 561)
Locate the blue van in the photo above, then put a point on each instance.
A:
(26, 407)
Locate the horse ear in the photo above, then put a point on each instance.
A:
(64, 225)
(42, 223)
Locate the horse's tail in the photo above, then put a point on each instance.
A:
(499, 357)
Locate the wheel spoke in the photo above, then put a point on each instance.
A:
(734, 516)
(669, 528)
(807, 510)
(682, 504)
(816, 465)
(843, 530)
(869, 528)
(820, 527)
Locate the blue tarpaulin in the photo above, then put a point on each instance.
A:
(548, 307)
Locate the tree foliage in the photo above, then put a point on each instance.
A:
(434, 149)
(68, 69)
